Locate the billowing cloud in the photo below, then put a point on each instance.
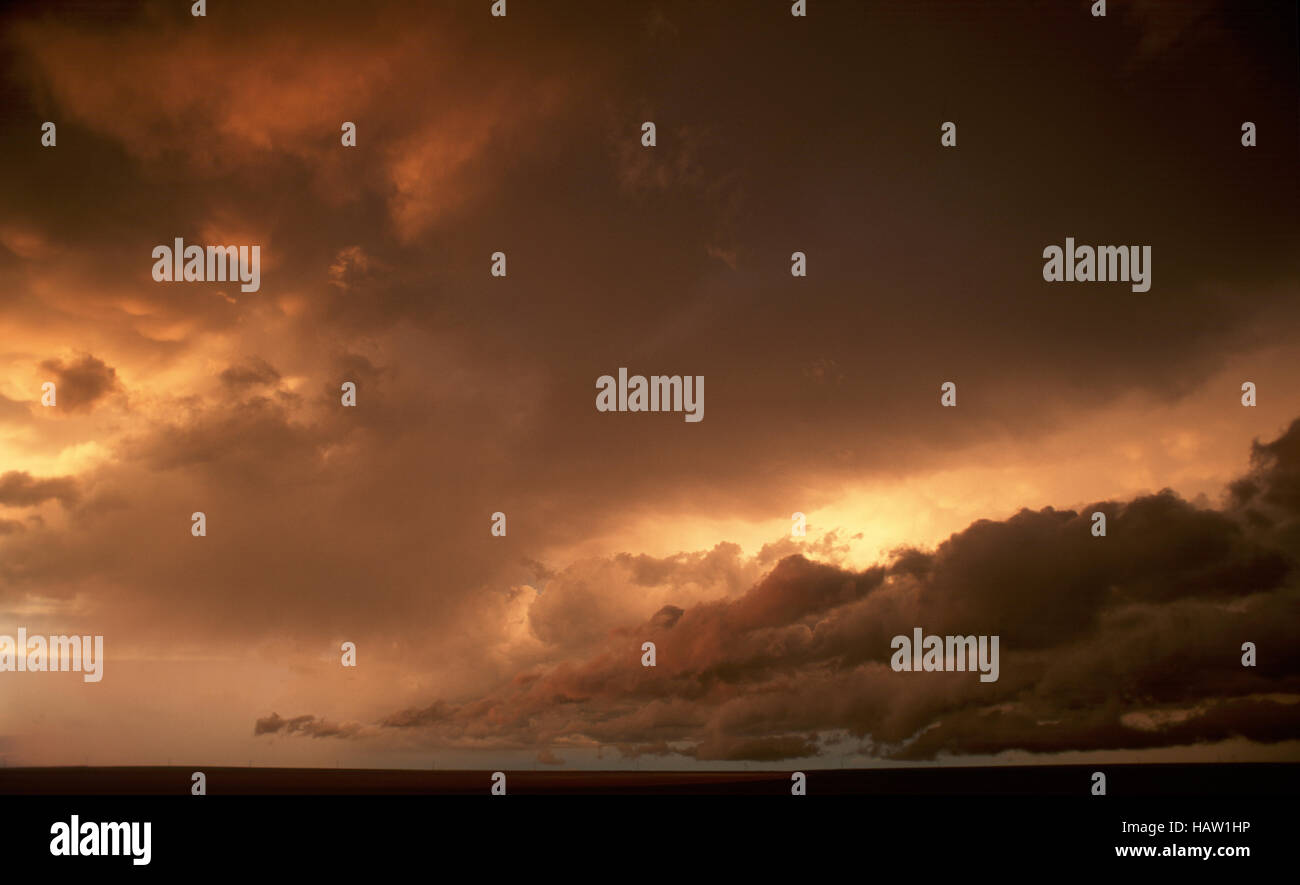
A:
(81, 383)
(1091, 629)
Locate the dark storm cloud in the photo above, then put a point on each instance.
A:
(81, 383)
(306, 726)
(760, 749)
(1127, 641)
(1269, 498)
(802, 146)
(255, 437)
(667, 616)
(413, 718)
(252, 372)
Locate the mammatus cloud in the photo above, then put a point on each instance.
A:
(1126, 641)
(81, 383)
(252, 372)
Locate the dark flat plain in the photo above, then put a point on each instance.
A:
(1203, 780)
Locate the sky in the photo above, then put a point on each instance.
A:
(476, 394)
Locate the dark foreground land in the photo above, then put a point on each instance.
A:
(1224, 780)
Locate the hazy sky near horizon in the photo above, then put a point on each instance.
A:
(476, 394)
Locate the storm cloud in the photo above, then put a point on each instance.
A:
(1131, 640)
